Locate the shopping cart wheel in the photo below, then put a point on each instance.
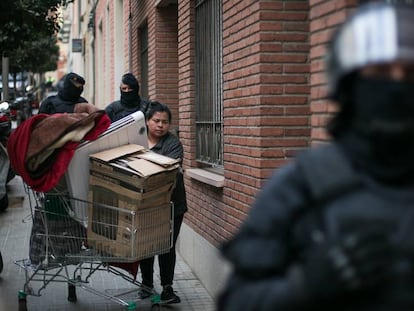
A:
(22, 301)
(72, 293)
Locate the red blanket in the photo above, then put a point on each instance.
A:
(41, 148)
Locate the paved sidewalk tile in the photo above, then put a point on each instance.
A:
(15, 227)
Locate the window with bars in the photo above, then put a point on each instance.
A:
(209, 82)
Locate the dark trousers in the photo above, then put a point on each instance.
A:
(166, 261)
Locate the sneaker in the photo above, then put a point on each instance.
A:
(168, 296)
(145, 292)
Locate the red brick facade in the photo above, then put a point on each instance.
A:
(324, 16)
(266, 93)
(273, 89)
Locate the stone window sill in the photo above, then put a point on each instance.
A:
(205, 176)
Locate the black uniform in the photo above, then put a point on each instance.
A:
(130, 101)
(294, 214)
(56, 104)
(67, 97)
(119, 109)
(334, 229)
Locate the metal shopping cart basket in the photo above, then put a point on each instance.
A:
(65, 249)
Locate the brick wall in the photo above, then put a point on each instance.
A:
(266, 112)
(200, 197)
(266, 93)
(325, 15)
(162, 52)
(165, 65)
(274, 95)
(186, 88)
(139, 11)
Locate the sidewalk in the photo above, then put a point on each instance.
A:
(15, 226)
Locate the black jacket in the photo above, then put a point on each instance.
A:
(170, 146)
(277, 234)
(55, 104)
(116, 110)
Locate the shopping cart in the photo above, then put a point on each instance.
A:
(66, 249)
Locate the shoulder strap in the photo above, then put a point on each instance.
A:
(328, 172)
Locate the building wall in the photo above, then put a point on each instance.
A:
(88, 52)
(266, 117)
(163, 52)
(325, 16)
(103, 35)
(111, 44)
(274, 98)
(266, 90)
(140, 10)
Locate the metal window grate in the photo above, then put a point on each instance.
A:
(209, 82)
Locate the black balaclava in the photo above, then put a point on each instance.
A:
(130, 99)
(70, 92)
(379, 132)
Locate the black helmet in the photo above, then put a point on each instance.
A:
(378, 32)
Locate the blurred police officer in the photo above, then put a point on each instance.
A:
(334, 229)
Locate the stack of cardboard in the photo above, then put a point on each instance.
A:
(131, 214)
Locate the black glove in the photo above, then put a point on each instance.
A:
(360, 260)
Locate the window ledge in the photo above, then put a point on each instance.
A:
(206, 177)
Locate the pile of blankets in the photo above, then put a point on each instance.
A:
(41, 148)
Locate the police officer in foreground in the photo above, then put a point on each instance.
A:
(68, 96)
(334, 229)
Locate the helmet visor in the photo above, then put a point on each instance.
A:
(377, 33)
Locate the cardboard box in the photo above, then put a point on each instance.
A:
(134, 168)
(138, 177)
(130, 190)
(118, 235)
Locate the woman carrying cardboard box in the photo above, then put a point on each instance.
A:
(161, 141)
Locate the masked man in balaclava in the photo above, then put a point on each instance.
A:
(67, 97)
(334, 229)
(130, 101)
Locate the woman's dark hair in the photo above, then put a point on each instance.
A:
(154, 107)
